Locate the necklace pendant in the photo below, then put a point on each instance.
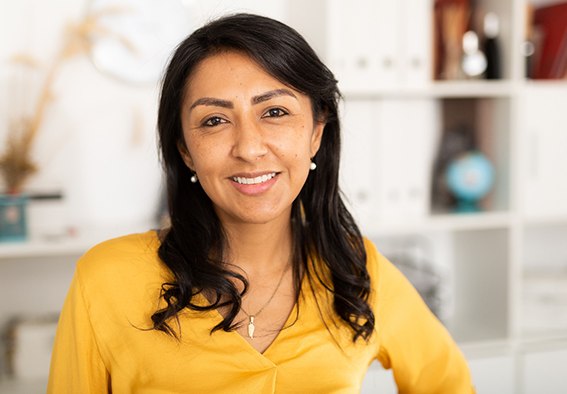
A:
(251, 327)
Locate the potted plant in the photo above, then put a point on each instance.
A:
(17, 164)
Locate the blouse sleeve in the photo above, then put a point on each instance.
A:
(76, 364)
(412, 342)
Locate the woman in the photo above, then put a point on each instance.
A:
(262, 283)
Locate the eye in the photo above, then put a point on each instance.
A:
(213, 121)
(274, 113)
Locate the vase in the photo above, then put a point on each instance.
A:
(13, 217)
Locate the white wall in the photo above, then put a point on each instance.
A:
(97, 141)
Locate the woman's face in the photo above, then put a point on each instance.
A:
(249, 138)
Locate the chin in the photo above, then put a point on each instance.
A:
(260, 216)
(259, 219)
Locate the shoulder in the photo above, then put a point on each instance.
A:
(124, 259)
(119, 281)
(147, 242)
(377, 265)
(389, 285)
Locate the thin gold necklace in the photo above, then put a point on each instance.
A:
(251, 326)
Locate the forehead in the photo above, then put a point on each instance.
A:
(230, 70)
(227, 58)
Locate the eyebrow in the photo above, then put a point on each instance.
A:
(210, 101)
(271, 94)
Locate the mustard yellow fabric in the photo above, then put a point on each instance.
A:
(102, 345)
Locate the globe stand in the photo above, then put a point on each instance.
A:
(467, 206)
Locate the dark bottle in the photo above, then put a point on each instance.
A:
(491, 47)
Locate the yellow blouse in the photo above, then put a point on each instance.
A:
(102, 345)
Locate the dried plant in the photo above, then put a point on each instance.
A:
(16, 162)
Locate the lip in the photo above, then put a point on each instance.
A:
(254, 189)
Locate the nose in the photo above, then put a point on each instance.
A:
(249, 142)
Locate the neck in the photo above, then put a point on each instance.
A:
(259, 248)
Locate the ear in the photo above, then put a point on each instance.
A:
(316, 137)
(185, 155)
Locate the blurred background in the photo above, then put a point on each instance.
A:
(454, 159)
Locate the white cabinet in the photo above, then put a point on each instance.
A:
(544, 143)
(493, 374)
(544, 372)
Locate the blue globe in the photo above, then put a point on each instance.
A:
(469, 178)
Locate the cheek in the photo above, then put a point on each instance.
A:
(295, 145)
(200, 152)
(295, 153)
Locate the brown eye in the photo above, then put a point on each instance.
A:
(274, 113)
(213, 121)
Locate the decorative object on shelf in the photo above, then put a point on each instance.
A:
(454, 143)
(474, 61)
(13, 221)
(491, 46)
(143, 34)
(528, 45)
(451, 23)
(469, 177)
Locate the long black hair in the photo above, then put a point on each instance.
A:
(327, 244)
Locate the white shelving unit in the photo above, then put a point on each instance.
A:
(508, 264)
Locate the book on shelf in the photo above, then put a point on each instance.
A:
(550, 30)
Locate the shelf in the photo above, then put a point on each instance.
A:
(37, 248)
(440, 222)
(543, 337)
(486, 348)
(555, 84)
(543, 341)
(455, 89)
(66, 245)
(438, 89)
(545, 220)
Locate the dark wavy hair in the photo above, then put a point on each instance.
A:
(327, 244)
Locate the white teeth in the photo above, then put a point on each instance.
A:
(254, 181)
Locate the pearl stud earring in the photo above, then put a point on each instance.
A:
(194, 178)
(312, 166)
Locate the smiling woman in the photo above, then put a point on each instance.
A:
(263, 282)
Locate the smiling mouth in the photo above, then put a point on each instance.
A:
(254, 181)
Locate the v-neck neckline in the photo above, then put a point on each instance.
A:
(281, 332)
(218, 317)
